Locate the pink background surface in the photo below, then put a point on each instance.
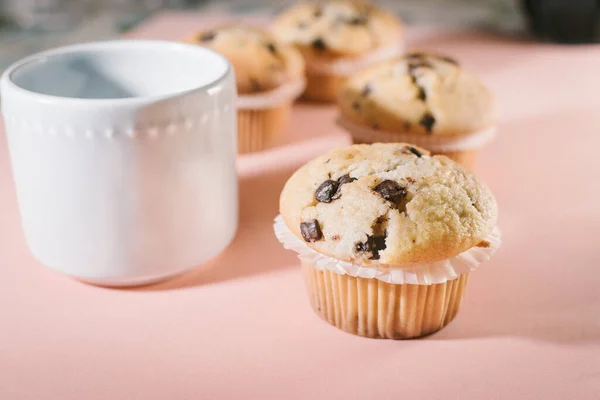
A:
(241, 326)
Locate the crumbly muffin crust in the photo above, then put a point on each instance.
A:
(260, 62)
(418, 93)
(388, 204)
(337, 28)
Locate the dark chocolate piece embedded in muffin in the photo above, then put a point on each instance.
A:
(415, 151)
(373, 245)
(390, 190)
(427, 122)
(341, 182)
(207, 36)
(319, 44)
(326, 191)
(311, 231)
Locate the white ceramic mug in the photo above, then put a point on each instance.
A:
(123, 155)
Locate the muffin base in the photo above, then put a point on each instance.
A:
(375, 309)
(259, 129)
(323, 88)
(466, 158)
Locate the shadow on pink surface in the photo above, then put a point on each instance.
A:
(255, 249)
(527, 304)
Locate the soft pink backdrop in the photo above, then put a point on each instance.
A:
(241, 327)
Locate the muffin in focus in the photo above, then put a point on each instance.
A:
(338, 38)
(269, 76)
(420, 98)
(373, 213)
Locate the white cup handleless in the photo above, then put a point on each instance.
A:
(123, 155)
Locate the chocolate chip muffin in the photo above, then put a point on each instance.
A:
(386, 206)
(426, 99)
(269, 76)
(338, 38)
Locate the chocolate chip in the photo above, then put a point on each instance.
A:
(341, 181)
(413, 65)
(415, 55)
(366, 90)
(379, 245)
(355, 105)
(374, 245)
(271, 47)
(345, 179)
(358, 20)
(390, 190)
(415, 151)
(427, 121)
(255, 85)
(326, 191)
(474, 204)
(207, 36)
(375, 126)
(448, 59)
(421, 94)
(363, 247)
(319, 44)
(311, 231)
(318, 12)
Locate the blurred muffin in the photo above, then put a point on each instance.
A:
(385, 207)
(269, 76)
(425, 99)
(338, 38)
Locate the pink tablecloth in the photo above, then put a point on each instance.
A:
(241, 327)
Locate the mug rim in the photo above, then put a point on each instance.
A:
(7, 82)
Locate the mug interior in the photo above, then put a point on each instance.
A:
(120, 70)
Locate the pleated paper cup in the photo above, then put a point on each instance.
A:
(388, 302)
(326, 78)
(262, 118)
(323, 88)
(259, 129)
(371, 308)
(462, 148)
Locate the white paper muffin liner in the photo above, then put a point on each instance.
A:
(434, 143)
(416, 274)
(349, 65)
(285, 93)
